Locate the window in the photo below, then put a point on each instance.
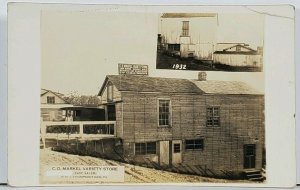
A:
(164, 113)
(110, 92)
(50, 100)
(111, 112)
(185, 28)
(196, 144)
(176, 148)
(145, 148)
(212, 117)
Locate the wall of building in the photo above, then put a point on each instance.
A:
(58, 100)
(238, 60)
(242, 122)
(116, 95)
(51, 114)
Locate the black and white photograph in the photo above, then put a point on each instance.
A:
(104, 104)
(210, 42)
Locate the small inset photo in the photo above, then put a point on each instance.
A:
(210, 42)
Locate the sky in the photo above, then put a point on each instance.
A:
(79, 48)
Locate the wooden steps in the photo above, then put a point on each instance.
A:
(254, 175)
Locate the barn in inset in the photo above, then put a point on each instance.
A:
(238, 55)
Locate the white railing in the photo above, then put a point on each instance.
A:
(82, 130)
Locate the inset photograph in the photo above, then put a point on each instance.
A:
(210, 42)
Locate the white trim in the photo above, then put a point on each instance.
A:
(170, 114)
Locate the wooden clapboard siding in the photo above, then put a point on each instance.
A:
(116, 95)
(241, 117)
(51, 114)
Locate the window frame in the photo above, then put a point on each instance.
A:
(169, 113)
(185, 28)
(145, 145)
(194, 144)
(212, 117)
(175, 150)
(50, 98)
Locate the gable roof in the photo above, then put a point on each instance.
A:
(150, 84)
(174, 85)
(225, 87)
(44, 91)
(240, 45)
(59, 95)
(225, 51)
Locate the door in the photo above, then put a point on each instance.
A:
(176, 151)
(164, 153)
(249, 156)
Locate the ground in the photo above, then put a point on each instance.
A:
(133, 174)
(165, 61)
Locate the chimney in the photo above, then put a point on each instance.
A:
(260, 50)
(202, 76)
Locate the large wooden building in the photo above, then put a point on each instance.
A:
(217, 125)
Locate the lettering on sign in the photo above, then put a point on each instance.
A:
(133, 69)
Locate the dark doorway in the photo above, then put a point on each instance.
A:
(111, 112)
(249, 156)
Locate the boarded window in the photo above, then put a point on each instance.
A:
(145, 148)
(212, 117)
(176, 147)
(164, 112)
(195, 144)
(50, 100)
(185, 28)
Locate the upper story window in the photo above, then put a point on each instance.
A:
(185, 28)
(109, 92)
(213, 117)
(50, 100)
(164, 113)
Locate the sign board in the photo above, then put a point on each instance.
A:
(133, 69)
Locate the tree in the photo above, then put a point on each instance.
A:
(83, 100)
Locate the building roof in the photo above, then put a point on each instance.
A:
(225, 87)
(44, 91)
(174, 85)
(226, 50)
(59, 95)
(150, 84)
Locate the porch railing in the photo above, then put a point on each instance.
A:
(86, 130)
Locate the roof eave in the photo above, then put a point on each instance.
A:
(103, 86)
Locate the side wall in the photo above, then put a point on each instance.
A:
(51, 114)
(241, 117)
(238, 60)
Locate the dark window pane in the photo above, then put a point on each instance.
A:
(176, 148)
